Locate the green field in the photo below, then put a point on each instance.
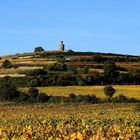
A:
(128, 90)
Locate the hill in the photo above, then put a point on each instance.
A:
(93, 60)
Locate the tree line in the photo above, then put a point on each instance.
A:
(10, 92)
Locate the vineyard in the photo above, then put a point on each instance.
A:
(70, 122)
(48, 91)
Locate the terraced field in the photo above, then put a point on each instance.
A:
(75, 60)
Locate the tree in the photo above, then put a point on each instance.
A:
(7, 90)
(35, 96)
(110, 71)
(125, 79)
(135, 76)
(33, 92)
(85, 70)
(109, 91)
(70, 51)
(72, 69)
(36, 72)
(39, 49)
(60, 66)
(6, 64)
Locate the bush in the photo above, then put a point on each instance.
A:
(72, 96)
(120, 99)
(42, 97)
(58, 99)
(23, 97)
(133, 100)
(94, 99)
(59, 66)
(123, 99)
(33, 92)
(83, 99)
(89, 99)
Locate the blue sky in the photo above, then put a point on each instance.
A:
(109, 26)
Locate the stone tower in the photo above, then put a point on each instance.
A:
(62, 46)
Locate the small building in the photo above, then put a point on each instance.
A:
(15, 57)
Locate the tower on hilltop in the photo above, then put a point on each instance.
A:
(61, 46)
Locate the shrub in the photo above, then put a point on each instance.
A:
(94, 99)
(133, 100)
(33, 92)
(89, 99)
(23, 97)
(33, 82)
(84, 99)
(72, 96)
(59, 66)
(58, 99)
(120, 99)
(123, 99)
(42, 97)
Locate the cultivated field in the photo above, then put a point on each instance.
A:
(128, 90)
(69, 122)
(48, 121)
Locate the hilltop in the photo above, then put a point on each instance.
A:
(70, 67)
(79, 59)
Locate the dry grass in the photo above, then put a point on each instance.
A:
(128, 90)
(5, 71)
(17, 70)
(96, 70)
(129, 65)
